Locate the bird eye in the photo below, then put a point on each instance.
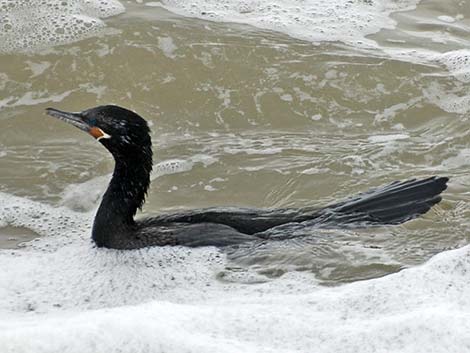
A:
(92, 121)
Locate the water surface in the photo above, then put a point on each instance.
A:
(244, 111)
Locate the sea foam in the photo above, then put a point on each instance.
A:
(35, 24)
(312, 20)
(62, 294)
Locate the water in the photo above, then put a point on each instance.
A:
(265, 104)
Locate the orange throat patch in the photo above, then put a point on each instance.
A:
(97, 133)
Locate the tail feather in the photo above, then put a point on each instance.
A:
(395, 203)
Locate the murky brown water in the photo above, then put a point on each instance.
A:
(256, 118)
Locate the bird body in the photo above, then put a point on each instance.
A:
(126, 135)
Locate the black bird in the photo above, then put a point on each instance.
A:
(126, 135)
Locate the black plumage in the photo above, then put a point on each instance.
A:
(127, 137)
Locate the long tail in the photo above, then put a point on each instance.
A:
(392, 204)
(395, 203)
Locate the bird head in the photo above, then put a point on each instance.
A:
(121, 131)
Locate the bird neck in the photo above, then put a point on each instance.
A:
(125, 194)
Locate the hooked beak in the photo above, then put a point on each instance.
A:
(75, 119)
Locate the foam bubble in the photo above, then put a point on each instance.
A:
(63, 270)
(347, 21)
(35, 24)
(62, 294)
(53, 271)
(454, 104)
(458, 63)
(447, 101)
(171, 166)
(313, 20)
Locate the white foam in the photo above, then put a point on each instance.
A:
(447, 19)
(387, 138)
(35, 24)
(454, 104)
(64, 270)
(172, 166)
(447, 101)
(168, 47)
(313, 20)
(458, 63)
(328, 20)
(62, 294)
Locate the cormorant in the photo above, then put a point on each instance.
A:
(126, 135)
